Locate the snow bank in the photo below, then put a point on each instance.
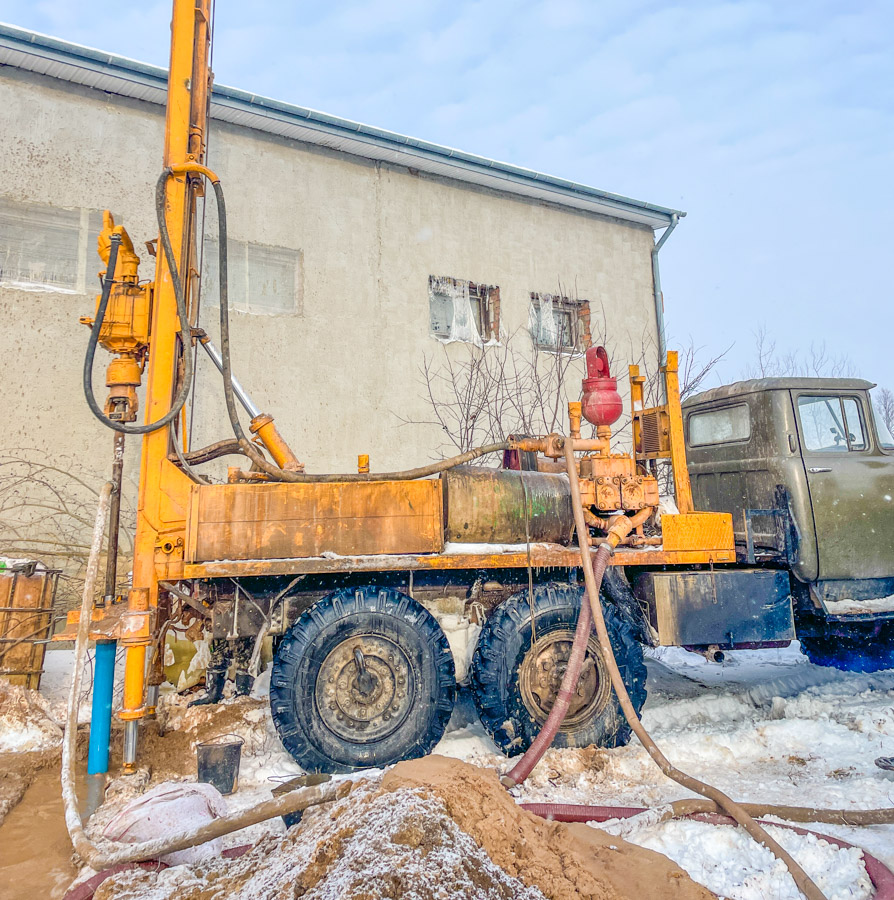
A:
(733, 865)
(28, 721)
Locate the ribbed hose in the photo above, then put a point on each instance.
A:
(574, 812)
(805, 884)
(522, 769)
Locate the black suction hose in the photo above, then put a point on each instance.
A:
(182, 313)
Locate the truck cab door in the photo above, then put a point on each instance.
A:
(850, 481)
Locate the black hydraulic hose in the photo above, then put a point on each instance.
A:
(213, 451)
(249, 449)
(197, 477)
(182, 313)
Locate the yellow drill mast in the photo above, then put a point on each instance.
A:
(163, 488)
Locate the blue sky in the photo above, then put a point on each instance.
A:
(771, 124)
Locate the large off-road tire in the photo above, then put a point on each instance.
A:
(860, 648)
(515, 681)
(363, 679)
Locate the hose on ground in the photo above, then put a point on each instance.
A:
(573, 812)
(113, 853)
(805, 884)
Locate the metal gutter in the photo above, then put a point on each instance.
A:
(656, 288)
(125, 77)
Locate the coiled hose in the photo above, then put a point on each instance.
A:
(244, 444)
(182, 315)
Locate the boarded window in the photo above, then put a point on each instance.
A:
(47, 248)
(463, 310)
(264, 280)
(559, 323)
(831, 424)
(720, 426)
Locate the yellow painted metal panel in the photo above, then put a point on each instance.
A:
(277, 521)
(698, 531)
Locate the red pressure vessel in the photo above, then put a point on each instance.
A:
(601, 403)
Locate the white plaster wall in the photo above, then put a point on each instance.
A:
(338, 374)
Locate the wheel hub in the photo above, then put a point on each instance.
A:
(540, 677)
(365, 689)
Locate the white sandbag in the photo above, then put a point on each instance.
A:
(168, 809)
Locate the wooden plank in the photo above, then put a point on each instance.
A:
(27, 615)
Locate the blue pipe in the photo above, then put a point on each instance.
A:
(101, 714)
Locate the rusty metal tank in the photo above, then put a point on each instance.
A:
(488, 506)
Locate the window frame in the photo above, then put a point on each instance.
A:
(887, 449)
(579, 313)
(242, 255)
(80, 225)
(861, 414)
(485, 307)
(717, 409)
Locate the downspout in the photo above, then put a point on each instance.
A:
(656, 287)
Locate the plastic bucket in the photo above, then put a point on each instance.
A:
(217, 762)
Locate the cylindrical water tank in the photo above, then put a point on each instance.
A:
(487, 506)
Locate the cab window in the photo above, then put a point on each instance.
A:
(881, 424)
(720, 426)
(831, 424)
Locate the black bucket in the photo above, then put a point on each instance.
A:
(217, 762)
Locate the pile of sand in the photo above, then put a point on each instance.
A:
(432, 829)
(564, 861)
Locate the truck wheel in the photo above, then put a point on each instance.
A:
(858, 649)
(363, 679)
(515, 680)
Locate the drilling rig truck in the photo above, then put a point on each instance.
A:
(381, 590)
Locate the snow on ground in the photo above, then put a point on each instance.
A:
(765, 726)
(28, 721)
(731, 864)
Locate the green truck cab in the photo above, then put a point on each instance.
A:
(806, 467)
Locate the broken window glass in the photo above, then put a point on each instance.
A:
(463, 311)
(555, 323)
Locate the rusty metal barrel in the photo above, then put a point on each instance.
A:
(487, 506)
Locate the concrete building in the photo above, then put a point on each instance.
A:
(356, 254)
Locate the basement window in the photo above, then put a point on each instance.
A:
(263, 280)
(463, 310)
(559, 323)
(47, 248)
